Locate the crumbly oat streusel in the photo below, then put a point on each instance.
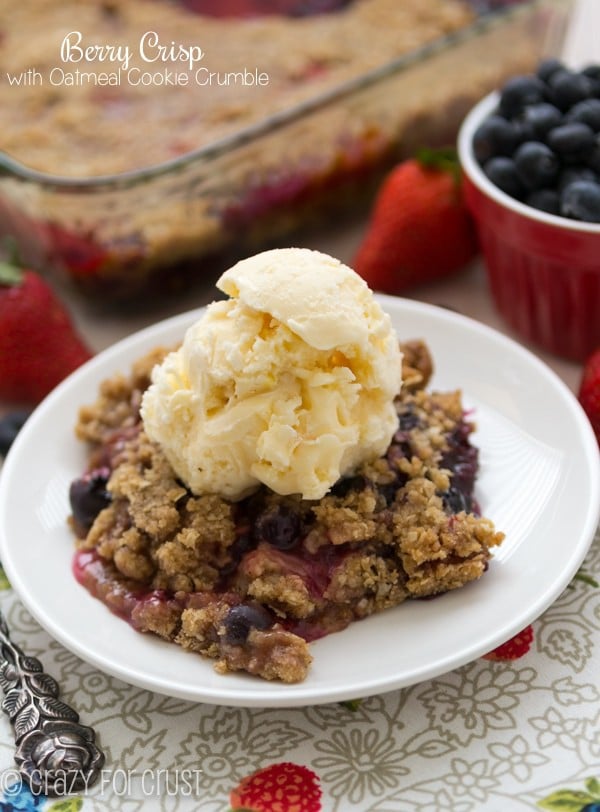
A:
(250, 584)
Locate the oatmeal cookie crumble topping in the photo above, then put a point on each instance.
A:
(251, 583)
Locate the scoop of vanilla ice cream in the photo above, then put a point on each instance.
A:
(290, 382)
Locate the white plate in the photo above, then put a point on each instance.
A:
(539, 481)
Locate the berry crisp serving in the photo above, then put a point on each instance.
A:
(251, 583)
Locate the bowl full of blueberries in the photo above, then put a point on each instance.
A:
(530, 155)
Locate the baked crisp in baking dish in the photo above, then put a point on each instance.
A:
(252, 583)
(142, 97)
(121, 172)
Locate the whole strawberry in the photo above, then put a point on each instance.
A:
(589, 391)
(38, 343)
(420, 229)
(283, 787)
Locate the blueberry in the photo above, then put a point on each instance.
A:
(390, 489)
(592, 71)
(503, 173)
(547, 200)
(241, 619)
(399, 449)
(520, 92)
(538, 119)
(347, 484)
(543, 145)
(279, 526)
(461, 458)
(581, 201)
(586, 112)
(88, 496)
(593, 807)
(10, 425)
(494, 136)
(537, 166)
(409, 419)
(548, 67)
(570, 174)
(243, 543)
(572, 141)
(456, 500)
(567, 88)
(592, 160)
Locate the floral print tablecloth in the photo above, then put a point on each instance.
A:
(517, 731)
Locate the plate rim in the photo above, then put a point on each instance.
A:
(301, 694)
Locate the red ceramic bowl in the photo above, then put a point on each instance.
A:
(543, 270)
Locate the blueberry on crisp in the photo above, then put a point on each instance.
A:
(241, 619)
(279, 526)
(88, 496)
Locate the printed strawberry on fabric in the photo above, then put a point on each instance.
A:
(514, 648)
(283, 787)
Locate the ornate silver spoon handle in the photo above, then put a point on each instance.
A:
(55, 754)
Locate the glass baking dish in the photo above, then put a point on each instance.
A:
(122, 235)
